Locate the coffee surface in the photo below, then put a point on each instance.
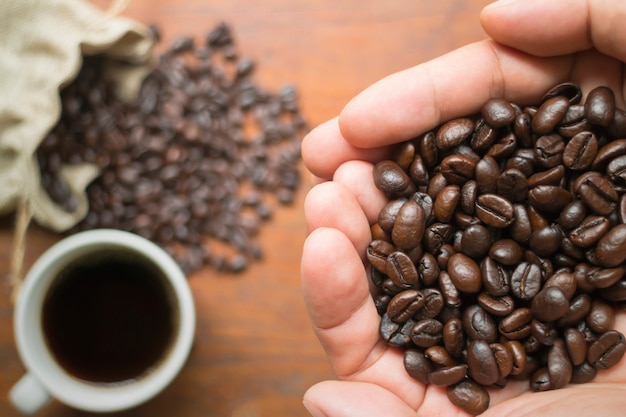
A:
(109, 319)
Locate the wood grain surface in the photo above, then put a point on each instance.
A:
(255, 353)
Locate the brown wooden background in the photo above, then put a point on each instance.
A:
(255, 353)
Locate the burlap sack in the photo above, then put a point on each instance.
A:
(41, 47)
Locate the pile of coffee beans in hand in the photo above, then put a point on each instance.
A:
(501, 252)
(194, 164)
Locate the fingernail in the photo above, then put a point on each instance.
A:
(500, 3)
(312, 409)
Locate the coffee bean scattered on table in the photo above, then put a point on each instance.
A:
(503, 245)
(195, 164)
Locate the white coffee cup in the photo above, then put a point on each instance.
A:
(46, 378)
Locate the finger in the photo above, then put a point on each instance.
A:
(574, 25)
(336, 292)
(357, 176)
(349, 399)
(332, 205)
(324, 149)
(413, 101)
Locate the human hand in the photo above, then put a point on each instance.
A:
(536, 44)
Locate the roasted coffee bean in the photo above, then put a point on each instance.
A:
(458, 169)
(446, 203)
(436, 235)
(469, 396)
(425, 202)
(427, 332)
(454, 337)
(563, 280)
(494, 210)
(521, 228)
(523, 160)
(610, 251)
(504, 359)
(503, 147)
(601, 317)
(512, 185)
(607, 153)
(506, 252)
(497, 306)
(396, 334)
(580, 151)
(545, 333)
(589, 231)
(559, 365)
(408, 229)
(392, 180)
(544, 264)
(449, 291)
(549, 114)
(526, 281)
(417, 365)
(377, 252)
(569, 90)
(540, 380)
(616, 170)
(549, 198)
(401, 270)
(476, 241)
(453, 133)
(404, 155)
(572, 215)
(600, 106)
(576, 346)
(486, 173)
(516, 326)
(418, 171)
(549, 304)
(428, 269)
(405, 305)
(465, 273)
(552, 176)
(479, 325)
(481, 363)
(605, 277)
(484, 135)
(387, 215)
(498, 112)
(596, 192)
(574, 122)
(469, 191)
(428, 149)
(578, 309)
(432, 306)
(448, 375)
(549, 150)
(545, 241)
(583, 373)
(607, 351)
(496, 279)
(518, 356)
(439, 356)
(614, 293)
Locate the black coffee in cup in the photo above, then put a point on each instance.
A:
(109, 317)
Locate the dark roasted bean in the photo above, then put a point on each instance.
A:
(454, 337)
(391, 179)
(601, 317)
(578, 309)
(589, 231)
(469, 396)
(559, 365)
(549, 198)
(608, 152)
(486, 173)
(401, 270)
(453, 133)
(583, 373)
(497, 306)
(498, 112)
(545, 241)
(481, 363)
(408, 229)
(549, 304)
(580, 151)
(526, 281)
(396, 334)
(549, 150)
(607, 350)
(476, 241)
(600, 106)
(494, 210)
(479, 325)
(446, 203)
(427, 332)
(596, 192)
(610, 250)
(417, 365)
(496, 279)
(516, 326)
(465, 273)
(448, 375)
(512, 185)
(576, 346)
(458, 169)
(405, 305)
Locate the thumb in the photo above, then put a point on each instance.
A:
(551, 28)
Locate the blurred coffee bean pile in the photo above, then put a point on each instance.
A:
(195, 164)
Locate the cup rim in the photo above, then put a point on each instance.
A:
(38, 360)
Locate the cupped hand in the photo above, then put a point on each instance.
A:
(535, 45)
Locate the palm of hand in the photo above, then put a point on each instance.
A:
(339, 214)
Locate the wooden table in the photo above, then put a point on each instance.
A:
(255, 353)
